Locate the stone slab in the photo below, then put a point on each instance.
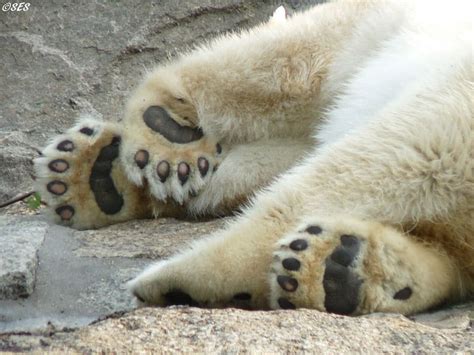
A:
(20, 240)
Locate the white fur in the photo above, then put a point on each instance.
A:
(356, 115)
(392, 84)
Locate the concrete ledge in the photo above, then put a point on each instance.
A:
(20, 240)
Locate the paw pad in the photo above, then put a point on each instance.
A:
(287, 283)
(179, 298)
(141, 158)
(65, 212)
(159, 120)
(163, 170)
(242, 296)
(183, 172)
(87, 131)
(285, 304)
(65, 146)
(203, 166)
(341, 284)
(58, 165)
(102, 185)
(314, 230)
(57, 187)
(403, 294)
(291, 264)
(299, 244)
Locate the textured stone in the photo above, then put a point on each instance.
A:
(456, 317)
(188, 330)
(153, 239)
(20, 240)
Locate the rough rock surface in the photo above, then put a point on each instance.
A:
(152, 239)
(188, 330)
(20, 240)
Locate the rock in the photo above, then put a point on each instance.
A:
(83, 273)
(455, 317)
(153, 239)
(20, 240)
(82, 278)
(61, 60)
(189, 330)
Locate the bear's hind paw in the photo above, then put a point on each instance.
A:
(352, 267)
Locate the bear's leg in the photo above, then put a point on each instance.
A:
(412, 164)
(335, 264)
(246, 169)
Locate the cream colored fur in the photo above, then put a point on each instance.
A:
(369, 104)
(389, 88)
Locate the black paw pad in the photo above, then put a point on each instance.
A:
(291, 264)
(345, 253)
(341, 284)
(65, 212)
(87, 131)
(106, 195)
(57, 187)
(403, 294)
(183, 172)
(65, 146)
(241, 300)
(285, 304)
(179, 298)
(242, 296)
(298, 244)
(141, 158)
(287, 283)
(163, 170)
(203, 166)
(314, 230)
(159, 120)
(58, 165)
(350, 241)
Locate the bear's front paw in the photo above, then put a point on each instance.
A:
(175, 160)
(79, 177)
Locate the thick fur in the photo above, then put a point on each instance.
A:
(372, 105)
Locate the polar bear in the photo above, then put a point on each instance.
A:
(344, 133)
